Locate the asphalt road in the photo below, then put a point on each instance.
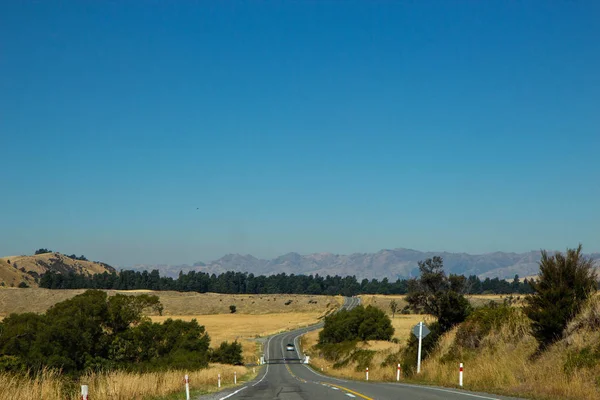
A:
(285, 378)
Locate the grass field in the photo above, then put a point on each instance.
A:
(245, 328)
(175, 303)
(256, 315)
(383, 301)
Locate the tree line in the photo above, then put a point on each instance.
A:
(248, 283)
(94, 332)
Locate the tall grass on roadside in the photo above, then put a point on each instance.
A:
(50, 385)
(506, 360)
(499, 355)
(46, 385)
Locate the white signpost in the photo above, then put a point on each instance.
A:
(420, 331)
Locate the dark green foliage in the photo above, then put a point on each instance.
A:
(228, 353)
(93, 332)
(244, 283)
(436, 294)
(360, 323)
(439, 295)
(80, 258)
(23, 285)
(42, 251)
(564, 283)
(232, 309)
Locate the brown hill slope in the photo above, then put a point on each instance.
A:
(28, 269)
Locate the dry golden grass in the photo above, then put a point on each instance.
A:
(175, 303)
(245, 328)
(119, 385)
(16, 272)
(383, 301)
(504, 363)
(403, 324)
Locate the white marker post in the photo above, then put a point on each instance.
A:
(367, 373)
(219, 381)
(460, 375)
(187, 387)
(234, 377)
(84, 392)
(419, 351)
(398, 374)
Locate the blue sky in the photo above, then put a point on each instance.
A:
(154, 132)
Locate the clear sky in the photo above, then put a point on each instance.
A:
(171, 132)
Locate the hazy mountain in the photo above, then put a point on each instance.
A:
(393, 264)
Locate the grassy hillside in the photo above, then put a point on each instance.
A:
(176, 303)
(15, 270)
(499, 355)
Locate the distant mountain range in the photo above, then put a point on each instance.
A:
(391, 264)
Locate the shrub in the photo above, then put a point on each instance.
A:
(480, 323)
(232, 309)
(23, 285)
(228, 353)
(360, 323)
(564, 283)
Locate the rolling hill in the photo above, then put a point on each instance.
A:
(15, 270)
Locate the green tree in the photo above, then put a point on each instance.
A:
(228, 353)
(564, 283)
(42, 251)
(232, 309)
(439, 295)
(360, 323)
(393, 307)
(124, 310)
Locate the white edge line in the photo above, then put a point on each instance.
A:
(444, 390)
(236, 392)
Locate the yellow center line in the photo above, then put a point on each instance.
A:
(294, 376)
(347, 390)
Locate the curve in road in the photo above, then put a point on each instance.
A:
(285, 377)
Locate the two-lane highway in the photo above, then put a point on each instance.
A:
(286, 378)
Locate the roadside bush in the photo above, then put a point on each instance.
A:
(228, 353)
(564, 283)
(480, 323)
(91, 332)
(360, 323)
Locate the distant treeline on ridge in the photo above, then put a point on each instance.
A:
(247, 283)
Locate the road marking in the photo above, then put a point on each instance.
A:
(334, 388)
(345, 389)
(350, 395)
(446, 391)
(236, 392)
